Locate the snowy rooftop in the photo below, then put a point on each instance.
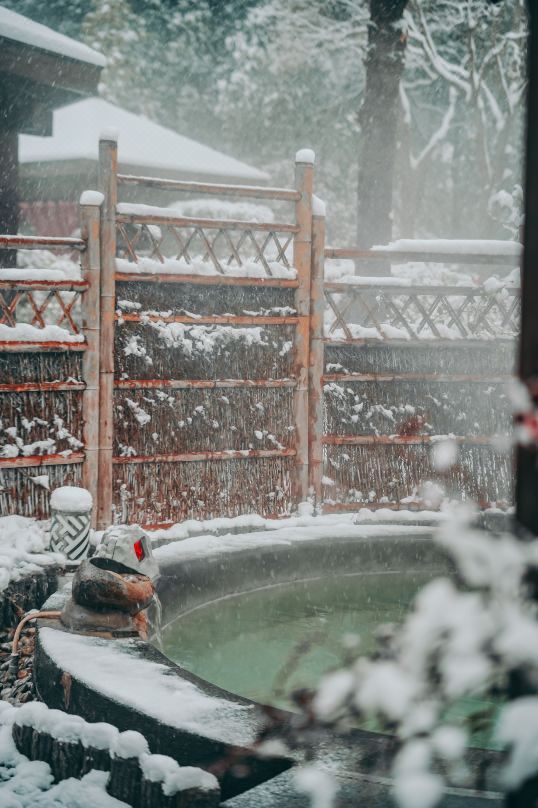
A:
(21, 29)
(141, 142)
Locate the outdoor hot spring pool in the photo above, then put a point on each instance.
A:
(266, 643)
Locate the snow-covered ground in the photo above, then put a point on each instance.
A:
(24, 549)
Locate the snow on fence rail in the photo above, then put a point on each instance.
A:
(216, 368)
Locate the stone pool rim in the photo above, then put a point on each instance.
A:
(207, 566)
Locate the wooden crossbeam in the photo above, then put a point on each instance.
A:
(195, 457)
(205, 280)
(41, 243)
(396, 440)
(41, 460)
(415, 377)
(213, 319)
(471, 341)
(42, 387)
(44, 286)
(21, 346)
(215, 189)
(420, 256)
(201, 384)
(208, 224)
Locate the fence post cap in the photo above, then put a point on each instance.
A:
(110, 135)
(305, 156)
(318, 206)
(92, 198)
(71, 499)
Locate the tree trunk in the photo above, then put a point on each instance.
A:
(9, 194)
(378, 120)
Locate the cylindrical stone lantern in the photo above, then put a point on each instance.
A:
(71, 513)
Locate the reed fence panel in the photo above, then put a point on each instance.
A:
(209, 352)
(45, 417)
(404, 366)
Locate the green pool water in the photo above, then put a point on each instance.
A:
(266, 644)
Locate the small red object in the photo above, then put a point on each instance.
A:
(139, 550)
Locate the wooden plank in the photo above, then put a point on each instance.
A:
(108, 169)
(21, 346)
(208, 224)
(402, 289)
(213, 319)
(433, 257)
(41, 242)
(396, 440)
(196, 457)
(200, 384)
(414, 377)
(316, 363)
(42, 387)
(44, 286)
(41, 460)
(330, 342)
(217, 189)
(205, 280)
(90, 226)
(302, 261)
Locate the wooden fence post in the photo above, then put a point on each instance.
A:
(302, 257)
(317, 360)
(108, 185)
(90, 219)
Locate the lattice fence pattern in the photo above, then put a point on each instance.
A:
(428, 312)
(224, 246)
(59, 305)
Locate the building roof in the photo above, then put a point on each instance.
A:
(41, 70)
(141, 144)
(21, 29)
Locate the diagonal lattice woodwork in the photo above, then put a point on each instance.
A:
(42, 307)
(225, 248)
(428, 312)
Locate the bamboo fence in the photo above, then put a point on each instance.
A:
(311, 386)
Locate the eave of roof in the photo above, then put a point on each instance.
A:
(22, 30)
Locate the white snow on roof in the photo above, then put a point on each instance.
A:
(21, 29)
(141, 142)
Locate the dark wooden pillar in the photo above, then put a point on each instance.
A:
(527, 458)
(378, 119)
(9, 193)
